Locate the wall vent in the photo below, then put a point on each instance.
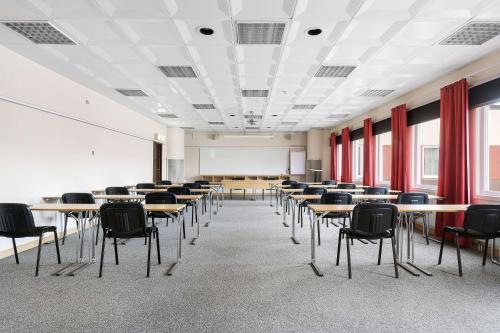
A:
(376, 92)
(254, 93)
(39, 32)
(334, 71)
(178, 71)
(204, 106)
(473, 33)
(132, 92)
(304, 106)
(260, 33)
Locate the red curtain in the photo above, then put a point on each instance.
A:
(333, 156)
(368, 154)
(401, 150)
(453, 176)
(346, 156)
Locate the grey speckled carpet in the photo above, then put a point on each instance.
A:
(245, 275)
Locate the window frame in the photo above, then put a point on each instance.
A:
(423, 175)
(482, 169)
(357, 173)
(379, 161)
(417, 162)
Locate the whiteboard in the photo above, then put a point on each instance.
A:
(298, 162)
(243, 161)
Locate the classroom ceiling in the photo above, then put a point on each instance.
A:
(264, 67)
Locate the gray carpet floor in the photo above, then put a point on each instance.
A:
(245, 275)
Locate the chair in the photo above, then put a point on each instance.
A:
(237, 189)
(144, 186)
(376, 191)
(164, 182)
(329, 182)
(347, 186)
(288, 182)
(178, 190)
(194, 186)
(303, 205)
(116, 190)
(16, 221)
(336, 198)
(371, 221)
(78, 198)
(299, 185)
(202, 182)
(416, 198)
(126, 220)
(159, 198)
(480, 222)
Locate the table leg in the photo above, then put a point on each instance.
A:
(411, 260)
(284, 214)
(400, 246)
(493, 259)
(293, 221)
(277, 202)
(193, 241)
(313, 244)
(180, 221)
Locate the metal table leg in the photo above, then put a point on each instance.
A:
(277, 203)
(210, 208)
(193, 241)
(312, 224)
(284, 214)
(293, 221)
(180, 220)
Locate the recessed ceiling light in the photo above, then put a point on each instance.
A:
(206, 31)
(313, 31)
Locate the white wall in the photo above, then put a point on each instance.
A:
(46, 154)
(194, 140)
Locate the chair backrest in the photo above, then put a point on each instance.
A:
(178, 190)
(161, 198)
(145, 185)
(299, 185)
(123, 218)
(413, 198)
(376, 190)
(192, 185)
(117, 190)
(483, 218)
(288, 182)
(314, 191)
(202, 182)
(336, 198)
(238, 178)
(329, 182)
(374, 218)
(164, 182)
(346, 186)
(77, 198)
(15, 218)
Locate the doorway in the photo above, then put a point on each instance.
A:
(157, 156)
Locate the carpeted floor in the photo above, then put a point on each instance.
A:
(246, 275)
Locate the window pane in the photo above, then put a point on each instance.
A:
(339, 161)
(493, 119)
(426, 154)
(358, 159)
(383, 158)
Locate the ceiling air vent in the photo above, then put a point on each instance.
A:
(473, 33)
(376, 92)
(260, 33)
(167, 115)
(252, 116)
(178, 71)
(132, 92)
(289, 123)
(187, 128)
(40, 32)
(254, 93)
(252, 128)
(204, 106)
(216, 123)
(304, 106)
(338, 116)
(334, 71)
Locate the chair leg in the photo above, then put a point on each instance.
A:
(192, 216)
(183, 228)
(348, 256)
(319, 234)
(15, 250)
(158, 247)
(149, 255)
(116, 251)
(338, 247)
(458, 255)
(244, 194)
(65, 228)
(394, 256)
(380, 250)
(56, 241)
(38, 254)
(102, 253)
(97, 232)
(231, 194)
(426, 229)
(485, 251)
(441, 248)
(195, 214)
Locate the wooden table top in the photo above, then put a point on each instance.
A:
(96, 207)
(347, 190)
(357, 196)
(401, 208)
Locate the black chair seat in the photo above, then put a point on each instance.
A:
(472, 233)
(131, 234)
(358, 234)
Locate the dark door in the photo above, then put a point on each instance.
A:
(157, 148)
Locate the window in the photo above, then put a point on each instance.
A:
(426, 154)
(358, 159)
(339, 161)
(488, 150)
(383, 158)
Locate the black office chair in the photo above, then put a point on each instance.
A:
(116, 190)
(184, 190)
(237, 189)
(160, 198)
(164, 182)
(329, 182)
(16, 221)
(299, 185)
(371, 221)
(144, 186)
(194, 186)
(480, 222)
(336, 198)
(346, 186)
(303, 205)
(376, 191)
(288, 182)
(202, 182)
(126, 220)
(416, 198)
(79, 198)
